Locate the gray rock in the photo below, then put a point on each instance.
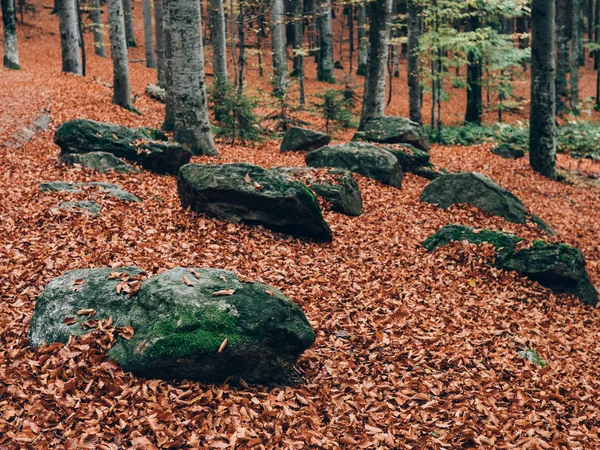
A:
(83, 206)
(365, 159)
(156, 92)
(269, 198)
(112, 189)
(508, 151)
(58, 186)
(298, 138)
(202, 324)
(480, 191)
(394, 130)
(102, 162)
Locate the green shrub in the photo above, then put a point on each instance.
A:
(335, 107)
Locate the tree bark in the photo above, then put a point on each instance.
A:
(69, 37)
(575, 53)
(542, 122)
(279, 56)
(129, 30)
(9, 23)
(325, 69)
(148, 38)
(298, 26)
(414, 86)
(98, 28)
(562, 55)
(374, 92)
(363, 43)
(191, 124)
(161, 58)
(474, 97)
(219, 38)
(597, 54)
(118, 53)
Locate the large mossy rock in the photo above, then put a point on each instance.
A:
(253, 195)
(102, 162)
(415, 161)
(480, 191)
(394, 130)
(74, 188)
(202, 324)
(337, 186)
(365, 159)
(146, 146)
(559, 267)
(507, 151)
(298, 138)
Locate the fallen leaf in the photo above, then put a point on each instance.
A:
(222, 346)
(223, 292)
(187, 281)
(70, 321)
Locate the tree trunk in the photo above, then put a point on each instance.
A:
(542, 122)
(562, 55)
(242, 56)
(118, 53)
(129, 30)
(148, 38)
(9, 23)
(219, 38)
(474, 102)
(81, 38)
(325, 68)
(98, 28)
(575, 53)
(69, 37)
(279, 56)
(414, 87)
(298, 25)
(597, 54)
(161, 58)
(192, 125)
(374, 93)
(363, 43)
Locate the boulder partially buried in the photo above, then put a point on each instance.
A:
(480, 191)
(298, 138)
(559, 267)
(393, 130)
(146, 146)
(364, 159)
(337, 186)
(201, 324)
(414, 160)
(507, 151)
(253, 195)
(102, 162)
(112, 189)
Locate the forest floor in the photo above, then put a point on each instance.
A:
(429, 354)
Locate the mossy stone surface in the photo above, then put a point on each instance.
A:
(112, 189)
(508, 151)
(394, 130)
(250, 194)
(82, 206)
(102, 162)
(298, 138)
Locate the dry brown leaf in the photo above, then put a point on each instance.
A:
(223, 292)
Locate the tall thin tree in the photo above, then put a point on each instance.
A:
(118, 53)
(148, 37)
(325, 68)
(363, 40)
(542, 121)
(69, 37)
(129, 29)
(219, 38)
(98, 28)
(414, 86)
(9, 23)
(159, 24)
(575, 52)
(474, 72)
(279, 55)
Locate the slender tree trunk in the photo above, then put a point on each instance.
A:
(363, 43)
(98, 28)
(597, 54)
(129, 30)
(590, 20)
(523, 29)
(575, 53)
(562, 55)
(474, 102)
(298, 26)
(161, 58)
(351, 36)
(325, 69)
(279, 56)
(192, 126)
(148, 38)
(9, 23)
(414, 87)
(374, 92)
(81, 38)
(118, 53)
(219, 38)
(542, 122)
(69, 37)
(242, 55)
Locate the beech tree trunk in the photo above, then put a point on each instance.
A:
(325, 69)
(374, 93)
(279, 56)
(159, 24)
(474, 71)
(9, 23)
(118, 53)
(542, 122)
(597, 54)
(98, 28)
(219, 38)
(575, 53)
(188, 88)
(148, 38)
(562, 55)
(414, 87)
(69, 37)
(363, 43)
(129, 30)
(298, 70)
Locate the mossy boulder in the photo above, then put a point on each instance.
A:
(415, 161)
(480, 191)
(394, 130)
(339, 187)
(252, 195)
(201, 324)
(365, 159)
(82, 206)
(102, 162)
(74, 188)
(298, 138)
(508, 151)
(146, 146)
(559, 267)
